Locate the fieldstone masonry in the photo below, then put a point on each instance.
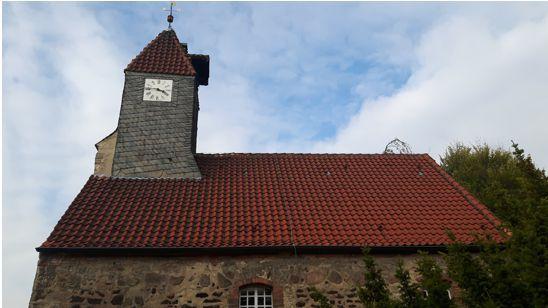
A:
(157, 139)
(64, 280)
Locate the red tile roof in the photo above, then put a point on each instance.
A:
(269, 200)
(163, 55)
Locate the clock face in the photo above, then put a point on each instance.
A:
(157, 90)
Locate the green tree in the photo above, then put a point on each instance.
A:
(410, 293)
(511, 186)
(432, 281)
(374, 292)
(506, 182)
(320, 298)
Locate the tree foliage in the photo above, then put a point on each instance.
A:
(375, 292)
(320, 298)
(433, 282)
(506, 182)
(411, 295)
(511, 186)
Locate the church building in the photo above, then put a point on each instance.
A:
(160, 225)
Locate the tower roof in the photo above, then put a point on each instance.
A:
(163, 55)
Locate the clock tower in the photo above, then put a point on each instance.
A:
(157, 127)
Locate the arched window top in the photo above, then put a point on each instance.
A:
(256, 296)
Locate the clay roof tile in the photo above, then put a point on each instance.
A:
(163, 55)
(377, 200)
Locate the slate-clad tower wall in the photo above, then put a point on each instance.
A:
(158, 138)
(155, 139)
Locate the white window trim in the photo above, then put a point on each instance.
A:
(255, 296)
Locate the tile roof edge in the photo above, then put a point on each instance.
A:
(482, 209)
(57, 224)
(159, 73)
(306, 153)
(102, 176)
(249, 249)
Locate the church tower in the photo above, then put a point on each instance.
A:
(157, 127)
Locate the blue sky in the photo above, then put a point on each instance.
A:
(285, 77)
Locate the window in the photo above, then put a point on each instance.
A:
(256, 297)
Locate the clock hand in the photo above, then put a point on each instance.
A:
(157, 89)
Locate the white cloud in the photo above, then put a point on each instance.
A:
(229, 118)
(276, 70)
(62, 89)
(473, 83)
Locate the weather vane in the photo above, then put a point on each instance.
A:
(170, 16)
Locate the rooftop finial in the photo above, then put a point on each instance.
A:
(170, 16)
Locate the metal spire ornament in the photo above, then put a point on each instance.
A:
(397, 146)
(170, 16)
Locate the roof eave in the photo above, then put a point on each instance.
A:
(410, 249)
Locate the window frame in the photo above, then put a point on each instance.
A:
(238, 284)
(256, 290)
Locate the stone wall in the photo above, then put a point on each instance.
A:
(155, 139)
(105, 155)
(151, 281)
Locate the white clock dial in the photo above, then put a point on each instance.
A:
(158, 90)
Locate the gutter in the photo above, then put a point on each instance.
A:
(200, 251)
